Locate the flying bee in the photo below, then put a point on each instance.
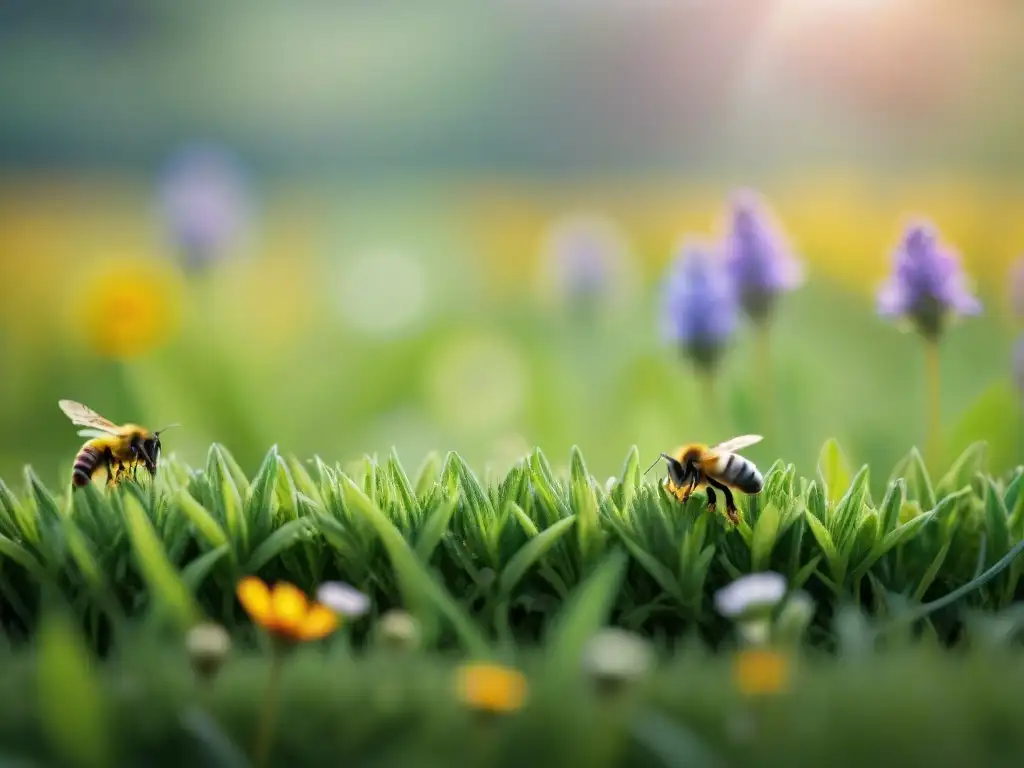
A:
(696, 466)
(116, 449)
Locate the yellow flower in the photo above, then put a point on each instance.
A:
(285, 612)
(491, 687)
(760, 671)
(129, 307)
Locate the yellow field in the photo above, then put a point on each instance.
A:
(53, 229)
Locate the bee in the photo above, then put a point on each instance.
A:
(718, 467)
(116, 449)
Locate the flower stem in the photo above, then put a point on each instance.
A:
(708, 392)
(765, 374)
(933, 376)
(266, 724)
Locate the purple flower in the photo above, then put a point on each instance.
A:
(1017, 288)
(700, 310)
(203, 202)
(758, 256)
(927, 285)
(588, 257)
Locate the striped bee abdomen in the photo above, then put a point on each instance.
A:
(740, 473)
(86, 462)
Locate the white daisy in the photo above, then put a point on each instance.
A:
(343, 599)
(758, 591)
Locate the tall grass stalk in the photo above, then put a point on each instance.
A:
(933, 377)
(265, 728)
(709, 391)
(766, 377)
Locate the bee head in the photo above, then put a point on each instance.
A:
(153, 446)
(678, 473)
(146, 446)
(151, 452)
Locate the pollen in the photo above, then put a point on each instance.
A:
(128, 308)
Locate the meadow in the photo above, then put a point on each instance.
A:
(429, 319)
(402, 397)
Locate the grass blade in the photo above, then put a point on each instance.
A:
(279, 541)
(418, 585)
(530, 553)
(73, 710)
(583, 614)
(164, 583)
(435, 528)
(196, 572)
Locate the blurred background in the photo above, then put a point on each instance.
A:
(345, 226)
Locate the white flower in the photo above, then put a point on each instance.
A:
(617, 655)
(399, 630)
(753, 592)
(343, 599)
(208, 645)
(208, 640)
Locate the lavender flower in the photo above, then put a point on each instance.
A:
(927, 285)
(758, 255)
(1017, 288)
(588, 257)
(203, 202)
(700, 311)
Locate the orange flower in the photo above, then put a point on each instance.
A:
(285, 612)
(491, 687)
(760, 671)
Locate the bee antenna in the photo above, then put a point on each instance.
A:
(164, 429)
(660, 457)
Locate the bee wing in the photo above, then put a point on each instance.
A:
(86, 417)
(737, 443)
(92, 433)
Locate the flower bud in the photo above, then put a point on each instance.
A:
(208, 645)
(397, 630)
(615, 657)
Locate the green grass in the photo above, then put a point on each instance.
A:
(488, 562)
(910, 706)
(521, 570)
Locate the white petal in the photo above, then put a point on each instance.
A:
(757, 589)
(343, 599)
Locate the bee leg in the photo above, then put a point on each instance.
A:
(730, 503)
(108, 465)
(712, 500)
(689, 491)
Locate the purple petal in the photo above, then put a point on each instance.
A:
(927, 283)
(756, 249)
(700, 301)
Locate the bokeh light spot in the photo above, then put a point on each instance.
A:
(477, 383)
(383, 291)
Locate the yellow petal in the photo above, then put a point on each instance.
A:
(319, 622)
(290, 607)
(491, 687)
(760, 672)
(254, 596)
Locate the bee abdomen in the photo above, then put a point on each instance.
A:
(85, 464)
(742, 474)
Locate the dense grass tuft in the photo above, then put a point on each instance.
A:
(486, 562)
